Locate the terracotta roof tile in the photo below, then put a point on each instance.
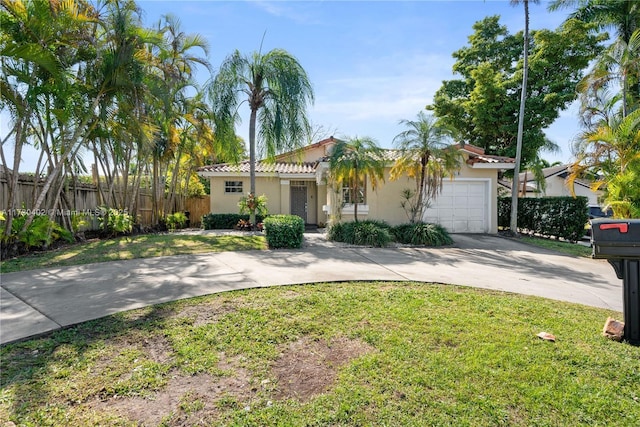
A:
(262, 167)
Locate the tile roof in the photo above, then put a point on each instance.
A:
(487, 158)
(476, 155)
(561, 171)
(262, 167)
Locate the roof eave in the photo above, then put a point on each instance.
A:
(492, 166)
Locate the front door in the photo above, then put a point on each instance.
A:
(299, 202)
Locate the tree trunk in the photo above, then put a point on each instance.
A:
(73, 150)
(13, 179)
(355, 196)
(523, 96)
(420, 204)
(252, 161)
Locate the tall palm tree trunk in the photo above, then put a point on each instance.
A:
(252, 161)
(523, 96)
(355, 196)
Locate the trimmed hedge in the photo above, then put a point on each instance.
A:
(284, 231)
(563, 217)
(226, 221)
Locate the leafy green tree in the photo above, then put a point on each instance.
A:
(277, 91)
(483, 104)
(352, 162)
(425, 157)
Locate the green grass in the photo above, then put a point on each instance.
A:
(130, 247)
(439, 355)
(559, 246)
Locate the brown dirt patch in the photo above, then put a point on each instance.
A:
(206, 313)
(307, 367)
(186, 400)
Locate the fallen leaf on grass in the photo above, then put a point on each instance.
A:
(547, 336)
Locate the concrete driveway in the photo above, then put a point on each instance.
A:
(38, 301)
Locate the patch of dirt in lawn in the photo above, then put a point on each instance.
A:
(304, 369)
(206, 313)
(308, 367)
(186, 400)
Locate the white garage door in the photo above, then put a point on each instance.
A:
(461, 207)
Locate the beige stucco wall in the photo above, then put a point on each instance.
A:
(278, 195)
(222, 202)
(557, 187)
(384, 203)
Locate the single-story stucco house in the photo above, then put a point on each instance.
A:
(296, 183)
(556, 185)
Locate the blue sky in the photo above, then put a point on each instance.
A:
(371, 63)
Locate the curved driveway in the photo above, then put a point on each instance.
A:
(33, 302)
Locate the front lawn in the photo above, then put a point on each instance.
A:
(130, 247)
(568, 248)
(343, 354)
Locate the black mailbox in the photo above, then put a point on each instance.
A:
(615, 238)
(618, 241)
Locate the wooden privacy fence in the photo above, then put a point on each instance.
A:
(83, 198)
(197, 206)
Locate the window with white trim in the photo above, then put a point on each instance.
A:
(349, 195)
(232, 187)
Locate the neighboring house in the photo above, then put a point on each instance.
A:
(556, 185)
(296, 183)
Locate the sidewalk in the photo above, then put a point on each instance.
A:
(33, 302)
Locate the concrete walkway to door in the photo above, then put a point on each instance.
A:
(33, 302)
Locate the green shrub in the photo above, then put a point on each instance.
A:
(422, 234)
(250, 203)
(115, 221)
(284, 231)
(563, 217)
(367, 233)
(227, 221)
(41, 232)
(176, 220)
(337, 231)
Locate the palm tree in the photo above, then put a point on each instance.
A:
(619, 62)
(42, 46)
(523, 96)
(351, 162)
(175, 64)
(277, 90)
(622, 16)
(425, 157)
(536, 166)
(612, 149)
